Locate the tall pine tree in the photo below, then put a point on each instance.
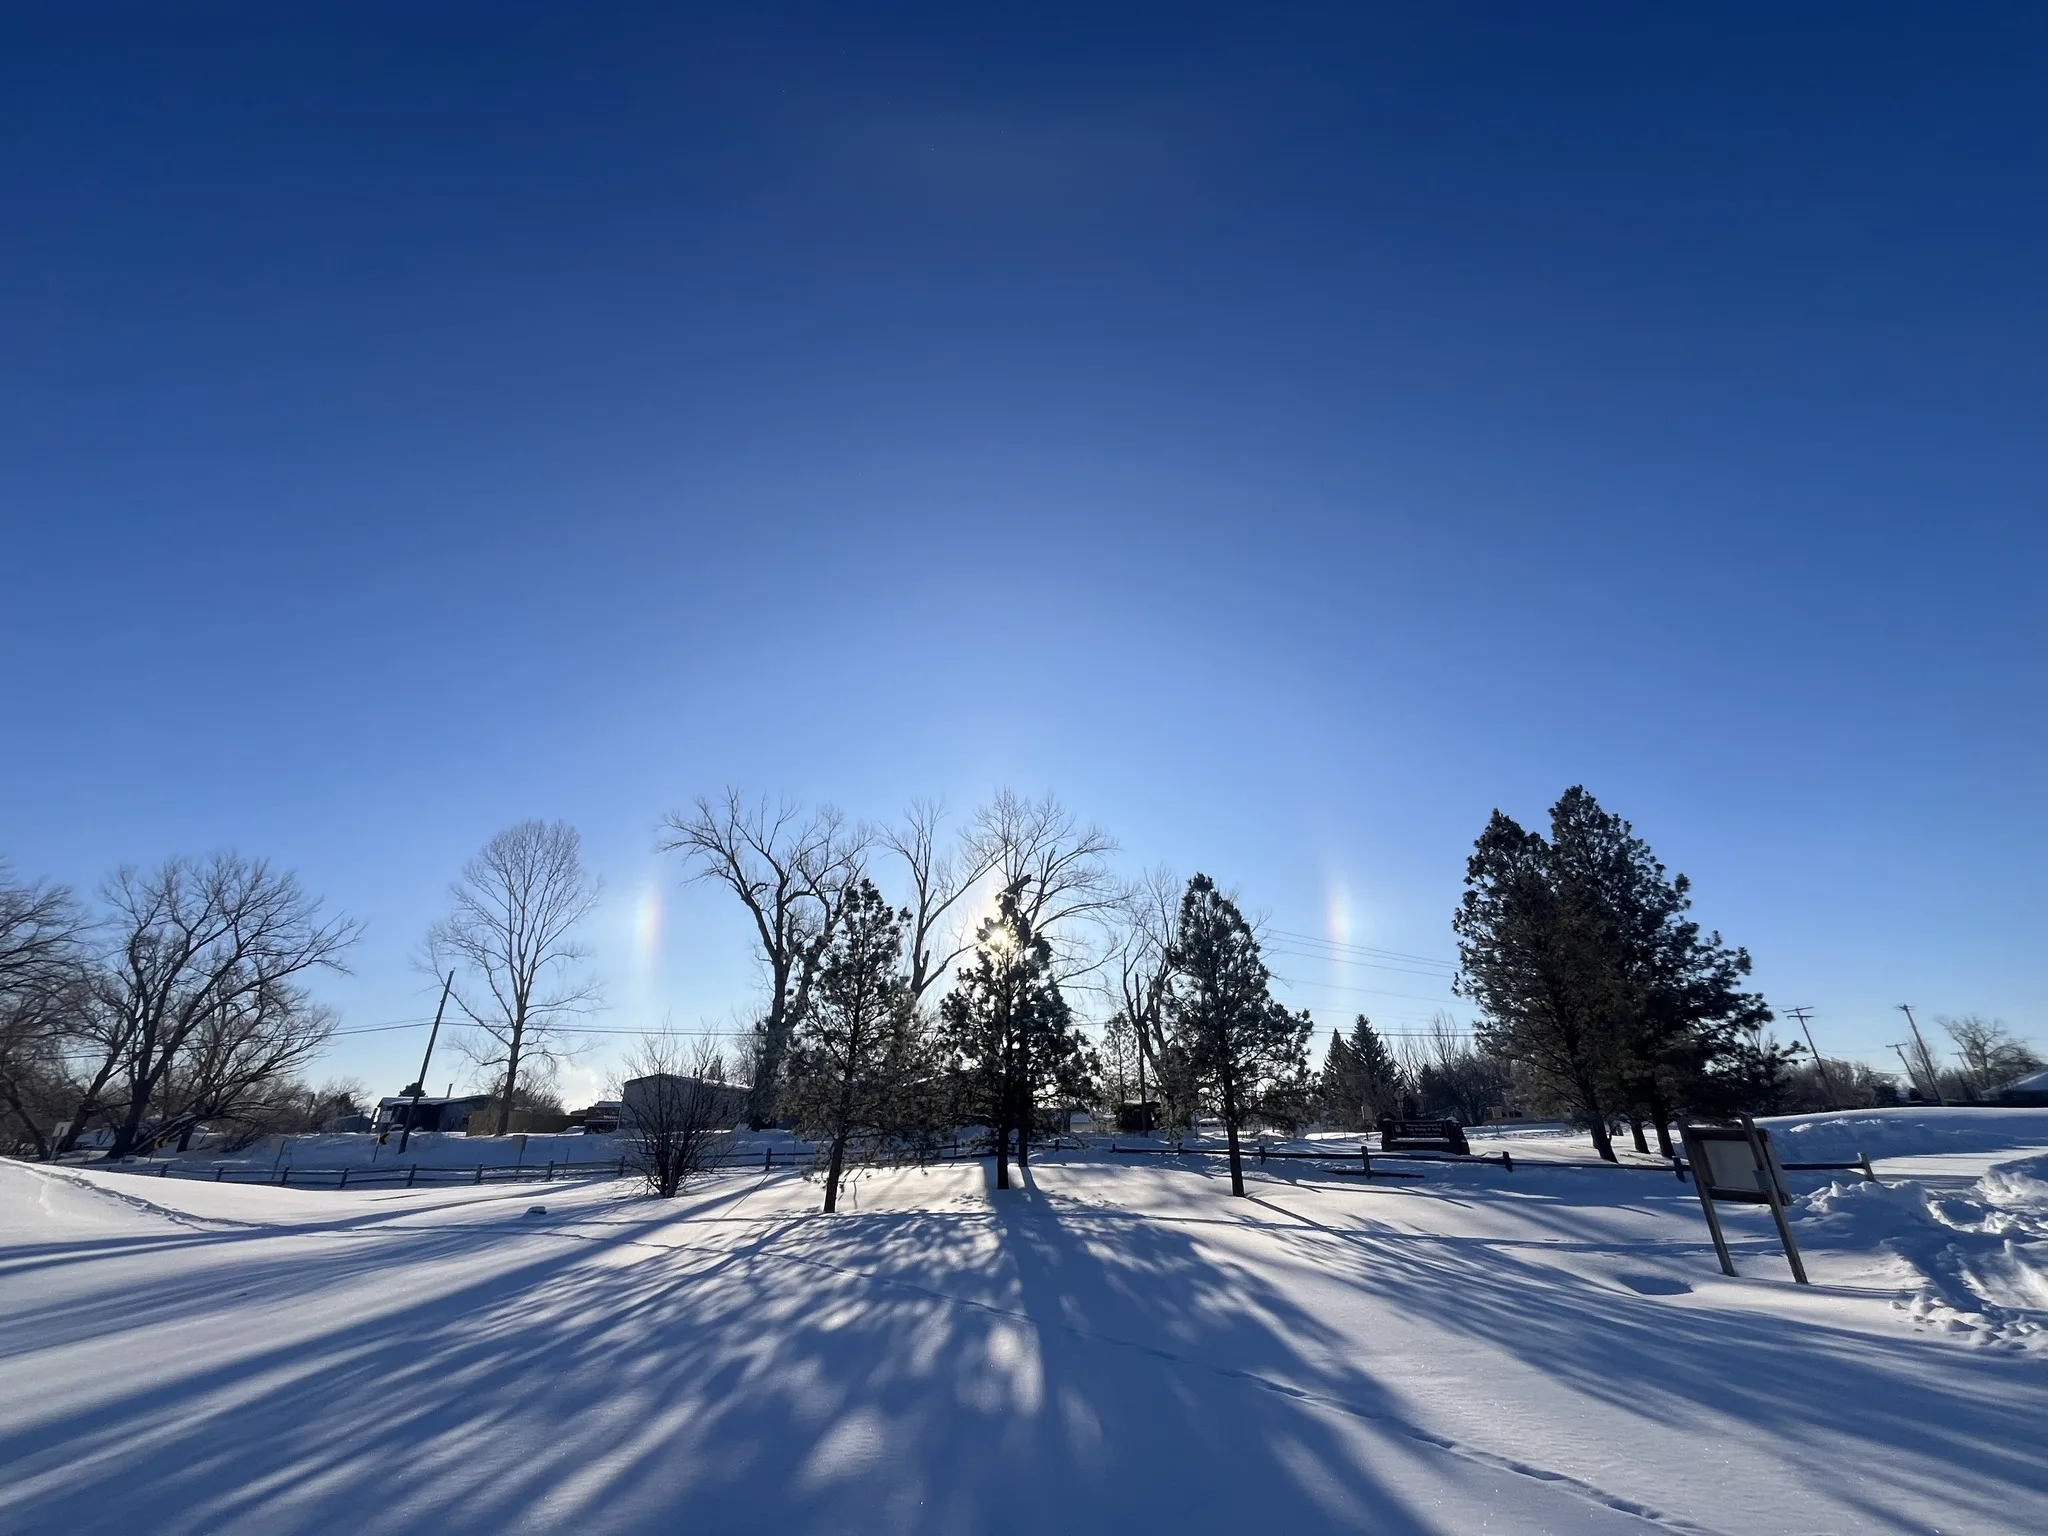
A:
(1578, 950)
(1533, 955)
(1382, 1084)
(1361, 1079)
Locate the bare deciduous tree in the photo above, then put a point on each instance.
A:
(940, 877)
(1056, 868)
(1991, 1055)
(191, 941)
(791, 872)
(42, 971)
(1144, 925)
(674, 1103)
(512, 940)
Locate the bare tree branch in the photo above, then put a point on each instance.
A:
(1037, 849)
(939, 878)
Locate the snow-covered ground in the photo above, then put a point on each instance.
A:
(1117, 1345)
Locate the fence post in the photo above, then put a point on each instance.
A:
(163, 1170)
(284, 1175)
(411, 1174)
(344, 1180)
(218, 1171)
(549, 1176)
(1365, 1159)
(622, 1168)
(479, 1173)
(1863, 1161)
(768, 1158)
(1507, 1160)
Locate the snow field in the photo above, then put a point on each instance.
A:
(1116, 1345)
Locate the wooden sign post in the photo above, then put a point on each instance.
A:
(1736, 1163)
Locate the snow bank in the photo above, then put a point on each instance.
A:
(1907, 1132)
(427, 1149)
(44, 1204)
(354, 1150)
(1976, 1262)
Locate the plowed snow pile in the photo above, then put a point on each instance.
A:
(1980, 1258)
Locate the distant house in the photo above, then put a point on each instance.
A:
(729, 1102)
(432, 1114)
(2030, 1092)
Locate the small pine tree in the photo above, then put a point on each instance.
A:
(1340, 1089)
(856, 1049)
(1240, 1044)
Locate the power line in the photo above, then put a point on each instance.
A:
(1368, 965)
(1366, 952)
(553, 1029)
(379, 1029)
(1335, 986)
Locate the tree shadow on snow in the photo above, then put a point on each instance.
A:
(1868, 1419)
(1017, 1368)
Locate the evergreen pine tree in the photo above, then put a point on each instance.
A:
(1010, 1032)
(1240, 1044)
(1340, 1089)
(1533, 954)
(856, 1052)
(1380, 1082)
(1585, 966)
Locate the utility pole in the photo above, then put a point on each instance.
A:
(1801, 1013)
(1926, 1061)
(1912, 1079)
(419, 1084)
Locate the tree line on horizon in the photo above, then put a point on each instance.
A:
(182, 1000)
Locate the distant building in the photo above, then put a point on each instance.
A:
(729, 1102)
(600, 1119)
(432, 1114)
(1138, 1119)
(2030, 1092)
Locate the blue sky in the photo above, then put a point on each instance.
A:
(1285, 434)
